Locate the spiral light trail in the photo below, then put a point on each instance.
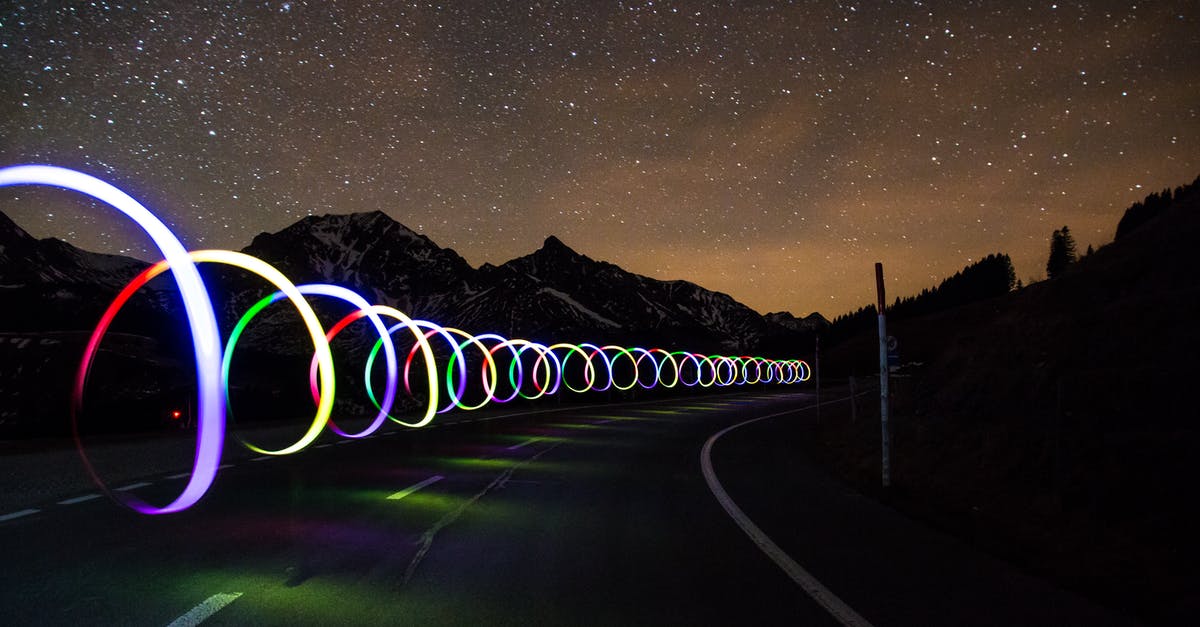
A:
(491, 368)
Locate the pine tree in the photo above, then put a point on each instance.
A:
(1062, 252)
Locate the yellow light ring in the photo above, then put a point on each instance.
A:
(324, 356)
(612, 375)
(589, 370)
(431, 369)
(637, 365)
(489, 367)
(706, 359)
(674, 368)
(747, 360)
(722, 360)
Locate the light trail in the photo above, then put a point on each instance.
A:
(489, 367)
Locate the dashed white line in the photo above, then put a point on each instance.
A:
(260, 458)
(133, 486)
(326, 445)
(178, 475)
(210, 606)
(224, 466)
(525, 443)
(22, 513)
(79, 499)
(344, 441)
(413, 488)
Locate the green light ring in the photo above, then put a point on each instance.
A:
(718, 362)
(645, 354)
(687, 356)
(769, 376)
(746, 362)
(489, 367)
(699, 374)
(433, 328)
(674, 367)
(781, 368)
(502, 342)
(543, 353)
(612, 376)
(311, 322)
(431, 373)
(589, 372)
(596, 350)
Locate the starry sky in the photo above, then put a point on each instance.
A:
(770, 150)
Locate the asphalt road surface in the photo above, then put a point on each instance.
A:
(593, 516)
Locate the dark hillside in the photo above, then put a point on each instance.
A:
(1056, 425)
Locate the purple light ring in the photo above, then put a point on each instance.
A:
(202, 322)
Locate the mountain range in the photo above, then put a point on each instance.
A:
(56, 292)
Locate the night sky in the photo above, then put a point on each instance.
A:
(773, 151)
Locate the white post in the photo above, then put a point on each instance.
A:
(883, 380)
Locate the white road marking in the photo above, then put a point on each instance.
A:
(180, 475)
(815, 589)
(133, 486)
(224, 466)
(322, 445)
(14, 515)
(413, 488)
(260, 458)
(79, 499)
(525, 443)
(344, 441)
(210, 606)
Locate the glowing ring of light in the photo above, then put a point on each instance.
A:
(202, 323)
(545, 356)
(612, 376)
(637, 365)
(268, 272)
(422, 342)
(674, 368)
(589, 371)
(489, 366)
(364, 310)
(412, 325)
(433, 328)
(596, 350)
(515, 364)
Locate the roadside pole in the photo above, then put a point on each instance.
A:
(883, 380)
(817, 372)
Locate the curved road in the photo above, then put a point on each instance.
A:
(593, 516)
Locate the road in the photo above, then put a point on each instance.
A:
(593, 516)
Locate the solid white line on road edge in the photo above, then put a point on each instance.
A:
(525, 443)
(14, 515)
(210, 606)
(133, 486)
(815, 589)
(180, 475)
(79, 499)
(413, 488)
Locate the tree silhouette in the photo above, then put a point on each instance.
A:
(1062, 252)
